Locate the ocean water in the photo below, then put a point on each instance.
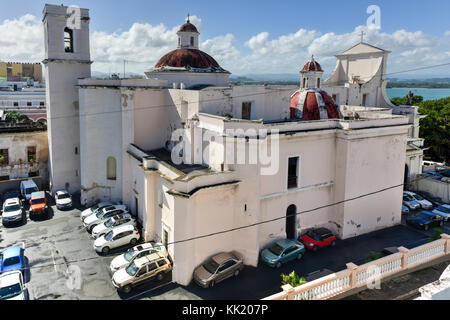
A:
(427, 94)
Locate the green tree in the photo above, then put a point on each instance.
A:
(416, 100)
(293, 279)
(15, 116)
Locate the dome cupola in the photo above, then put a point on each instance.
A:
(311, 75)
(188, 36)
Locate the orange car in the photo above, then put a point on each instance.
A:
(38, 204)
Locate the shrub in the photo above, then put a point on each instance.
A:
(293, 279)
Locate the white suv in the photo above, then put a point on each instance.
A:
(12, 211)
(122, 219)
(117, 237)
(136, 252)
(102, 215)
(96, 208)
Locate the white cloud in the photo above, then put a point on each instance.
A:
(143, 44)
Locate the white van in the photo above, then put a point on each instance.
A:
(27, 188)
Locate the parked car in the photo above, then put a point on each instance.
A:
(405, 209)
(318, 238)
(443, 211)
(12, 212)
(424, 203)
(122, 219)
(63, 200)
(117, 237)
(282, 251)
(218, 268)
(13, 259)
(104, 214)
(142, 270)
(27, 188)
(435, 201)
(136, 252)
(12, 286)
(425, 220)
(38, 204)
(410, 202)
(96, 208)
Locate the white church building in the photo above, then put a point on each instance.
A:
(325, 155)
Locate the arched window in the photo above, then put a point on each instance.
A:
(68, 40)
(111, 168)
(318, 82)
(192, 41)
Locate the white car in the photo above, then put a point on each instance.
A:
(63, 199)
(424, 203)
(12, 211)
(117, 237)
(136, 252)
(443, 211)
(94, 209)
(12, 286)
(104, 214)
(122, 219)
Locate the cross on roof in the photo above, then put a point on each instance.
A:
(362, 36)
(188, 17)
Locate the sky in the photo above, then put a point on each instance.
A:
(245, 37)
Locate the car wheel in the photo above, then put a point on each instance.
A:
(299, 256)
(126, 289)
(160, 276)
(278, 265)
(212, 283)
(133, 241)
(91, 228)
(315, 248)
(333, 243)
(236, 273)
(105, 250)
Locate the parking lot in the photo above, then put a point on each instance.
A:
(62, 263)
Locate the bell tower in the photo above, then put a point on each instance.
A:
(311, 75)
(188, 36)
(67, 59)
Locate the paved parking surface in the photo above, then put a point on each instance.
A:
(63, 264)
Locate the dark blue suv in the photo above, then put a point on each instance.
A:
(425, 220)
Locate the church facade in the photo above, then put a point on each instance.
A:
(209, 167)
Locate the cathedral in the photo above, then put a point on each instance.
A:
(156, 144)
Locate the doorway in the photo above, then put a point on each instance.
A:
(291, 222)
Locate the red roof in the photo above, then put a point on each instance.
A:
(188, 58)
(310, 109)
(312, 66)
(188, 27)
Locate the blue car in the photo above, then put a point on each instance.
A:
(12, 259)
(282, 251)
(425, 220)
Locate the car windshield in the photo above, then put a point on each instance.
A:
(109, 236)
(132, 269)
(37, 201)
(10, 291)
(443, 209)
(423, 215)
(211, 266)
(100, 214)
(11, 261)
(129, 255)
(12, 208)
(407, 198)
(276, 249)
(418, 197)
(94, 208)
(31, 190)
(64, 196)
(109, 222)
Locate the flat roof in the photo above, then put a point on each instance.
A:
(165, 156)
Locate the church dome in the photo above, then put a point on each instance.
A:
(312, 66)
(188, 27)
(189, 59)
(313, 104)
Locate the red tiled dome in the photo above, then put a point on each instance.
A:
(188, 58)
(307, 104)
(188, 27)
(312, 66)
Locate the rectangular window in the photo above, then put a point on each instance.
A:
(16, 104)
(365, 99)
(192, 41)
(4, 157)
(29, 104)
(42, 104)
(293, 173)
(31, 154)
(318, 83)
(246, 110)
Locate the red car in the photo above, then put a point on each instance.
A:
(318, 238)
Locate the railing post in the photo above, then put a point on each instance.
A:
(446, 237)
(404, 253)
(289, 291)
(352, 267)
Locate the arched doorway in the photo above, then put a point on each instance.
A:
(291, 219)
